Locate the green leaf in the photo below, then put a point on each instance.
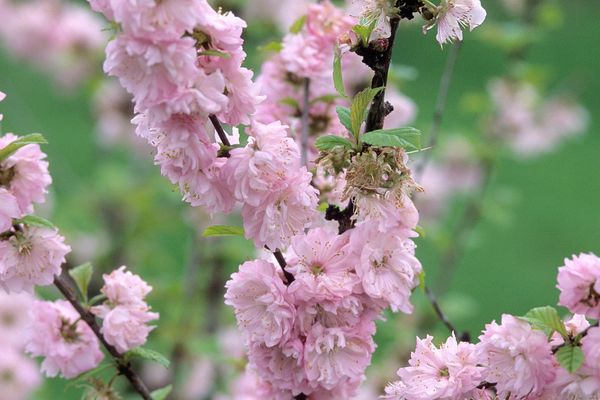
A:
(298, 25)
(422, 280)
(408, 138)
(328, 142)
(359, 107)
(546, 319)
(570, 357)
(161, 394)
(274, 47)
(223, 230)
(11, 148)
(34, 220)
(364, 29)
(326, 98)
(214, 53)
(288, 101)
(419, 229)
(344, 116)
(148, 354)
(82, 275)
(338, 80)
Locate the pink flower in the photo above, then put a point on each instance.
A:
(400, 216)
(374, 10)
(9, 209)
(31, 257)
(124, 288)
(453, 15)
(579, 285)
(449, 372)
(14, 318)
(280, 366)
(386, 265)
(25, 174)
(283, 214)
(590, 345)
(260, 300)
(2, 97)
(125, 326)
(323, 269)
(20, 375)
(516, 357)
(337, 356)
(69, 348)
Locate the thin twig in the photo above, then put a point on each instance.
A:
(220, 131)
(123, 365)
(440, 105)
(281, 261)
(439, 312)
(305, 122)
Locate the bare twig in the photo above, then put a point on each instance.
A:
(305, 122)
(220, 131)
(122, 364)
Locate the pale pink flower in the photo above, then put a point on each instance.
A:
(447, 372)
(348, 311)
(337, 356)
(209, 188)
(261, 303)
(31, 257)
(374, 10)
(516, 357)
(397, 215)
(14, 317)
(590, 345)
(386, 265)
(2, 97)
(124, 288)
(9, 209)
(284, 214)
(125, 326)
(453, 15)
(250, 386)
(323, 268)
(69, 348)
(305, 57)
(25, 174)
(19, 375)
(326, 22)
(579, 285)
(280, 366)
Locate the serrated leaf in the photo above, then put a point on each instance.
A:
(11, 148)
(359, 107)
(34, 220)
(338, 80)
(570, 357)
(328, 142)
(298, 25)
(148, 354)
(344, 116)
(364, 29)
(161, 394)
(82, 275)
(546, 319)
(223, 230)
(407, 138)
(214, 53)
(274, 47)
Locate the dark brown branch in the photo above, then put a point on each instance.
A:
(282, 263)
(123, 365)
(220, 131)
(305, 123)
(464, 337)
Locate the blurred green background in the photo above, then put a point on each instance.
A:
(542, 209)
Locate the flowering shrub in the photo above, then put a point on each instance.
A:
(323, 176)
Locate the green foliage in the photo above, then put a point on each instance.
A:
(34, 138)
(344, 116)
(546, 319)
(274, 47)
(298, 25)
(223, 230)
(214, 53)
(328, 142)
(149, 355)
(359, 108)
(570, 357)
(34, 220)
(82, 275)
(408, 138)
(364, 29)
(338, 80)
(161, 394)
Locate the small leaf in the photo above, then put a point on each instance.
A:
(338, 80)
(360, 105)
(326, 98)
(298, 25)
(274, 47)
(408, 138)
(34, 220)
(344, 116)
(214, 53)
(570, 357)
(364, 29)
(328, 142)
(422, 280)
(82, 275)
(288, 101)
(161, 394)
(148, 354)
(11, 148)
(419, 229)
(546, 319)
(223, 230)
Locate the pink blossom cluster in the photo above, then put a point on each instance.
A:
(67, 343)
(532, 125)
(63, 38)
(513, 359)
(125, 313)
(20, 375)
